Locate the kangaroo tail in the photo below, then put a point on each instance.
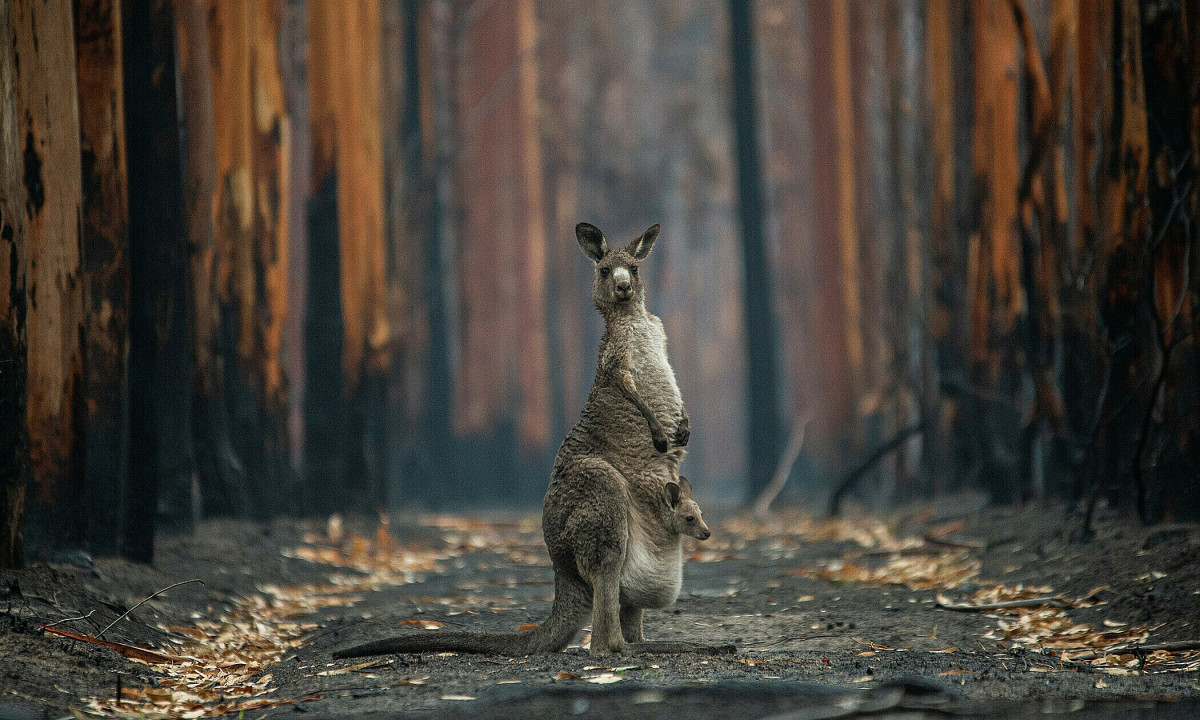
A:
(572, 605)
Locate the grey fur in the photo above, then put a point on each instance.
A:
(617, 508)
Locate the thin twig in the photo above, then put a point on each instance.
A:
(151, 597)
(763, 504)
(1177, 646)
(71, 619)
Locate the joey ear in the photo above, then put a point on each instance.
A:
(591, 240)
(685, 486)
(640, 247)
(672, 494)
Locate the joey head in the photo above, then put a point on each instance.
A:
(685, 517)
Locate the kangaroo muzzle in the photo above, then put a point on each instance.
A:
(623, 283)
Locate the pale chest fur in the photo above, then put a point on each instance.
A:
(652, 573)
(645, 343)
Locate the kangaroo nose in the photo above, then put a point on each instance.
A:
(624, 287)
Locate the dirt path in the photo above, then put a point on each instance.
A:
(826, 615)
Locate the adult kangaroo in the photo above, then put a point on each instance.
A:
(611, 514)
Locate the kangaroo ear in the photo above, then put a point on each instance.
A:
(641, 245)
(672, 494)
(685, 486)
(591, 240)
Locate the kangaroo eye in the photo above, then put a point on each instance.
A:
(604, 272)
(633, 269)
(691, 518)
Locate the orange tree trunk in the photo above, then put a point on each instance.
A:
(219, 471)
(348, 335)
(993, 269)
(835, 232)
(48, 122)
(270, 140)
(14, 269)
(105, 227)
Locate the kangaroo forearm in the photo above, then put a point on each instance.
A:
(624, 382)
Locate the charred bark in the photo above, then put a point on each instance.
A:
(105, 241)
(160, 469)
(14, 423)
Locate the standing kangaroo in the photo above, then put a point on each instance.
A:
(616, 507)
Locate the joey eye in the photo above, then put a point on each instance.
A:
(604, 272)
(633, 269)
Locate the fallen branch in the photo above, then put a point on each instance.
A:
(1006, 605)
(955, 544)
(144, 601)
(763, 504)
(129, 651)
(1176, 646)
(835, 501)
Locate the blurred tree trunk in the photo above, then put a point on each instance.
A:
(160, 471)
(1085, 364)
(882, 390)
(1044, 217)
(533, 414)
(1166, 475)
(435, 89)
(14, 271)
(270, 138)
(294, 72)
(219, 470)
(419, 387)
(565, 292)
(994, 269)
(233, 209)
(916, 384)
(502, 380)
(348, 335)
(944, 22)
(49, 124)
(835, 217)
(105, 242)
(1126, 310)
(785, 37)
(762, 444)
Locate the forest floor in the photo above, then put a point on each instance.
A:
(838, 618)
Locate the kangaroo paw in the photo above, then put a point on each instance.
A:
(661, 444)
(683, 432)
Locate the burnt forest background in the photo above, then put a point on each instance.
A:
(316, 256)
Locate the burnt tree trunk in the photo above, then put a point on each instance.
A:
(220, 472)
(993, 271)
(160, 471)
(49, 126)
(270, 139)
(347, 336)
(105, 227)
(14, 269)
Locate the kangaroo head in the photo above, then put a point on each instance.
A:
(684, 513)
(616, 283)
